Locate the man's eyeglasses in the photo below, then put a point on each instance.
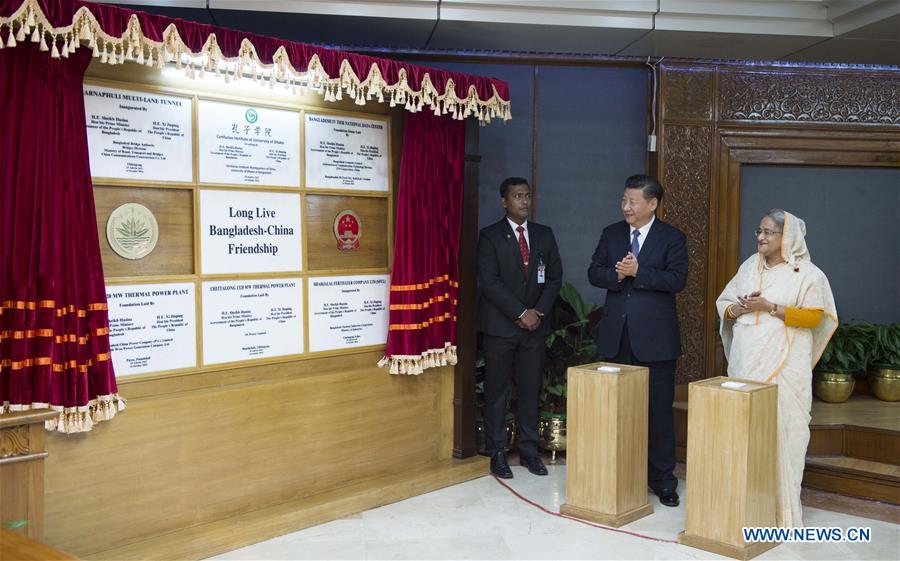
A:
(765, 231)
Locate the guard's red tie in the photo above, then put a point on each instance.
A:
(523, 247)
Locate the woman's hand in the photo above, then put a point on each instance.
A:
(735, 311)
(753, 302)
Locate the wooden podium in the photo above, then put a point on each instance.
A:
(22, 452)
(730, 465)
(606, 456)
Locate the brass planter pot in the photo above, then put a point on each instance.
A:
(552, 433)
(885, 383)
(833, 387)
(510, 433)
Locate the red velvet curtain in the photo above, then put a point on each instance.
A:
(55, 349)
(54, 331)
(425, 280)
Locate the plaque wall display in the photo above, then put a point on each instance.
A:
(346, 153)
(152, 327)
(248, 145)
(218, 196)
(132, 231)
(252, 319)
(249, 232)
(138, 135)
(348, 311)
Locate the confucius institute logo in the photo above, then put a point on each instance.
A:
(132, 231)
(347, 230)
(251, 115)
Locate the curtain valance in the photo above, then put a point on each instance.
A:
(116, 35)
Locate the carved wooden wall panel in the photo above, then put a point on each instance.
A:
(686, 176)
(824, 98)
(688, 94)
(699, 104)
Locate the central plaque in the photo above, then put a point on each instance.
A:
(249, 232)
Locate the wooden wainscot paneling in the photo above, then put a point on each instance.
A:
(213, 459)
(192, 454)
(322, 246)
(174, 211)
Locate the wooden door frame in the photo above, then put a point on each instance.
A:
(464, 410)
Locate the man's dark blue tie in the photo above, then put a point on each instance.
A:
(635, 246)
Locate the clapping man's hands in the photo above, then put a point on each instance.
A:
(627, 267)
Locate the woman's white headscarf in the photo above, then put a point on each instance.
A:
(793, 241)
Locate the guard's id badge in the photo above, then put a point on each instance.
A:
(541, 272)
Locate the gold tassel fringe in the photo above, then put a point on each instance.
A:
(29, 18)
(75, 419)
(416, 364)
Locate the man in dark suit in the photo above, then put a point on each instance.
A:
(642, 262)
(519, 277)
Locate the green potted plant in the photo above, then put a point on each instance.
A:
(570, 343)
(846, 354)
(884, 361)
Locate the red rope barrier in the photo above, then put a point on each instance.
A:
(561, 515)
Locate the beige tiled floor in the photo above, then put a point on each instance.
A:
(481, 519)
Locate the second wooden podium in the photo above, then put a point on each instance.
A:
(606, 455)
(730, 465)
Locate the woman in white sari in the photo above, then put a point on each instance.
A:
(778, 314)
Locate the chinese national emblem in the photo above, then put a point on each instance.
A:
(347, 230)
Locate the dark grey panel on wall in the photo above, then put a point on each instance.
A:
(505, 147)
(852, 229)
(592, 134)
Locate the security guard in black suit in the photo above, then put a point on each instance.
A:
(519, 277)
